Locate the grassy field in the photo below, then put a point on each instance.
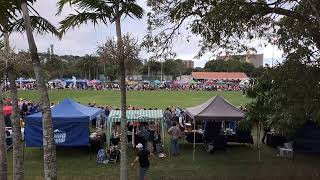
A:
(238, 162)
(153, 99)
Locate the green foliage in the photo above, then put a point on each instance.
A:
(109, 59)
(152, 66)
(232, 65)
(11, 20)
(1, 44)
(97, 11)
(39, 25)
(173, 67)
(233, 24)
(286, 97)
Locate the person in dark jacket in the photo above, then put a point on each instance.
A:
(143, 158)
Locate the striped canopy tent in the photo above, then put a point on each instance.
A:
(136, 116)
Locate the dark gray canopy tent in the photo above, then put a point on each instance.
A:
(215, 109)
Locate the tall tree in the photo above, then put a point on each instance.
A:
(152, 67)
(108, 56)
(11, 22)
(232, 65)
(105, 12)
(16, 128)
(3, 144)
(50, 166)
(286, 97)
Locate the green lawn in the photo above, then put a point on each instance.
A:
(153, 99)
(238, 162)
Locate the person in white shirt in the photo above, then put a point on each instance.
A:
(182, 121)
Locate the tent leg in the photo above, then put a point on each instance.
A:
(108, 134)
(194, 139)
(163, 134)
(132, 137)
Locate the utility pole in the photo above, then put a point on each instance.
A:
(161, 61)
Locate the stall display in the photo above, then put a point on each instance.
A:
(138, 120)
(274, 139)
(217, 110)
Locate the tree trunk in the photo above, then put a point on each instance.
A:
(49, 148)
(3, 144)
(7, 50)
(123, 162)
(89, 73)
(18, 170)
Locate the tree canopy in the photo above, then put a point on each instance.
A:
(293, 25)
(108, 56)
(232, 65)
(286, 96)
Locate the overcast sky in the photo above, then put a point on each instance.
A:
(84, 40)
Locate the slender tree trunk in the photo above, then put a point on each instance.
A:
(89, 73)
(7, 50)
(123, 162)
(49, 148)
(18, 170)
(3, 144)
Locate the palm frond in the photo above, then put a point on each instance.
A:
(86, 5)
(132, 10)
(1, 44)
(75, 20)
(8, 11)
(39, 25)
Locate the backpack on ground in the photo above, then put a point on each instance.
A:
(101, 156)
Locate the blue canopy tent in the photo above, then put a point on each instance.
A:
(157, 82)
(70, 123)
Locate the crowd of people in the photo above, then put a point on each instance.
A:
(139, 86)
(26, 107)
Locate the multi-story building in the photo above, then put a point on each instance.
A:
(255, 59)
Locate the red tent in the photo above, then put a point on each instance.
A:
(7, 110)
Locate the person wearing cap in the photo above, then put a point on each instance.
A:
(143, 158)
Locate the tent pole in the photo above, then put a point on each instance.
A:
(163, 134)
(194, 139)
(132, 136)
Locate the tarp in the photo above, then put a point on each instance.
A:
(215, 109)
(137, 115)
(193, 82)
(70, 123)
(157, 82)
(56, 81)
(220, 82)
(307, 138)
(95, 81)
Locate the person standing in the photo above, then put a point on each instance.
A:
(174, 133)
(168, 118)
(181, 121)
(143, 158)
